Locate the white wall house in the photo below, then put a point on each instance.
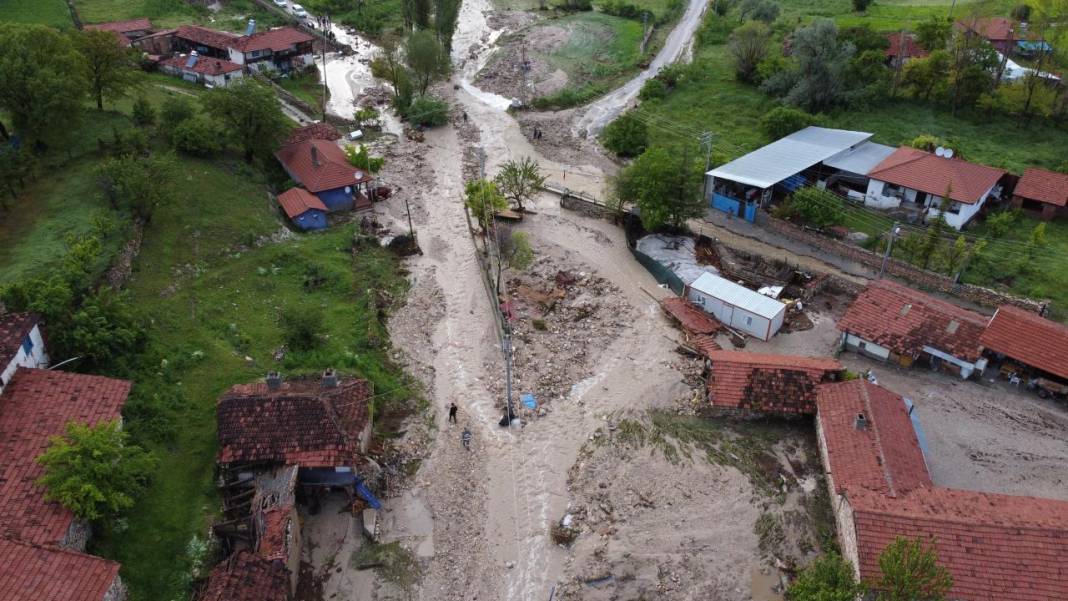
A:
(23, 347)
(737, 306)
(918, 180)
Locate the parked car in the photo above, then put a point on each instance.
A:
(299, 11)
(281, 3)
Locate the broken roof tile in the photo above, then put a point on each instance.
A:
(762, 382)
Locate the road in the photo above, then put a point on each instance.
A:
(609, 106)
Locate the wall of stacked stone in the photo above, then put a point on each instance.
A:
(586, 207)
(922, 278)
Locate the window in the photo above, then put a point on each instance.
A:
(27, 345)
(954, 208)
(748, 321)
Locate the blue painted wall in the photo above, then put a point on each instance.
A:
(734, 207)
(336, 200)
(312, 219)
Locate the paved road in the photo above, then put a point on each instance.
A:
(608, 107)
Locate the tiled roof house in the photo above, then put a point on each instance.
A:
(303, 208)
(895, 322)
(1042, 190)
(916, 179)
(1029, 339)
(904, 46)
(767, 383)
(296, 422)
(1001, 32)
(322, 168)
(22, 344)
(40, 540)
(313, 131)
(246, 576)
(996, 547)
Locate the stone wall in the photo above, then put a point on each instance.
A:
(586, 207)
(921, 278)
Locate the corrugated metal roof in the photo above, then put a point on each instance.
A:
(737, 295)
(787, 156)
(861, 159)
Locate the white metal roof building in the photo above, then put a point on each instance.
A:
(737, 306)
(767, 166)
(860, 160)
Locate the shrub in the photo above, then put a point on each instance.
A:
(359, 157)
(175, 110)
(909, 570)
(144, 114)
(428, 111)
(861, 5)
(626, 136)
(302, 328)
(568, 97)
(828, 578)
(619, 8)
(653, 88)
(562, 535)
(196, 136)
(783, 121)
(817, 207)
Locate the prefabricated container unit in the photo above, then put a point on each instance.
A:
(737, 306)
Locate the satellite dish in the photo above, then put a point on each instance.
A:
(949, 153)
(940, 151)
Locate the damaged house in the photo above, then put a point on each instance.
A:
(767, 383)
(891, 322)
(21, 344)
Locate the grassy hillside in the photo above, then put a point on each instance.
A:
(46, 12)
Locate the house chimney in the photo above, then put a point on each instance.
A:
(330, 378)
(315, 156)
(274, 380)
(861, 422)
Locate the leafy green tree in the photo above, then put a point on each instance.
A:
(428, 111)
(910, 572)
(446, 13)
(926, 77)
(175, 110)
(972, 62)
(864, 38)
(197, 136)
(652, 89)
(664, 185)
(483, 199)
(251, 115)
(421, 14)
(519, 181)
(138, 184)
(935, 233)
(95, 471)
(111, 68)
(828, 578)
(873, 78)
(784, 120)
(302, 328)
(998, 224)
(104, 332)
(425, 57)
(1037, 240)
(747, 46)
(359, 157)
(758, 10)
(933, 34)
(818, 82)
(818, 207)
(522, 255)
(42, 81)
(626, 136)
(144, 114)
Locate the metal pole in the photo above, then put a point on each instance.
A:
(411, 230)
(889, 246)
(508, 371)
(706, 142)
(325, 89)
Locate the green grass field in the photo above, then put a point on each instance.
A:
(46, 12)
(305, 86)
(170, 13)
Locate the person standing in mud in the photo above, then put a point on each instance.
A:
(452, 412)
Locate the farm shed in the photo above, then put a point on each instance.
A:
(1032, 340)
(737, 306)
(304, 209)
(1042, 191)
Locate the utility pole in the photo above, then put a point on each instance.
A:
(325, 23)
(890, 245)
(507, 347)
(706, 143)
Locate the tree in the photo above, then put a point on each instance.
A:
(872, 78)
(110, 67)
(819, 80)
(428, 111)
(933, 236)
(483, 199)
(95, 471)
(972, 60)
(138, 184)
(425, 57)
(932, 34)
(748, 45)
(445, 14)
(652, 89)
(926, 76)
(758, 10)
(818, 207)
(520, 180)
(782, 121)
(302, 328)
(421, 13)
(175, 110)
(197, 136)
(522, 255)
(664, 185)
(828, 578)
(358, 156)
(103, 331)
(144, 114)
(626, 136)
(251, 115)
(1037, 239)
(42, 81)
(910, 572)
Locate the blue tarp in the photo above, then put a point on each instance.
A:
(1033, 46)
(364, 493)
(528, 400)
(793, 182)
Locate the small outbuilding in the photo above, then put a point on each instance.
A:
(303, 208)
(1043, 192)
(21, 344)
(737, 306)
(1034, 341)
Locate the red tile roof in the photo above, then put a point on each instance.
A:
(926, 172)
(38, 573)
(759, 382)
(689, 316)
(705, 344)
(905, 320)
(885, 455)
(995, 29)
(333, 169)
(35, 405)
(911, 48)
(1045, 186)
(296, 201)
(315, 131)
(14, 328)
(278, 39)
(1026, 337)
(246, 577)
(122, 26)
(276, 533)
(996, 547)
(203, 36)
(301, 423)
(205, 65)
